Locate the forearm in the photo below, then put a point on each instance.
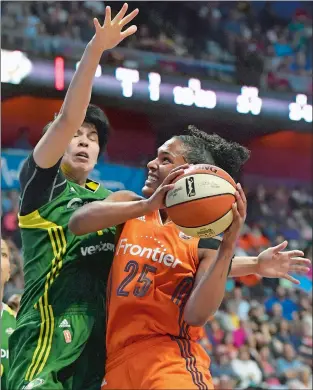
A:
(79, 92)
(101, 215)
(207, 296)
(53, 144)
(242, 266)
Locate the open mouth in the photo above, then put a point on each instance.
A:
(83, 155)
(152, 178)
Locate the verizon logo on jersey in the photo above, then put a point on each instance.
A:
(102, 247)
(155, 255)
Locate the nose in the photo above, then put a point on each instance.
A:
(152, 165)
(83, 141)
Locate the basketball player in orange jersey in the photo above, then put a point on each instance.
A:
(164, 285)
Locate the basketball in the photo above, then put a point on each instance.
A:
(200, 204)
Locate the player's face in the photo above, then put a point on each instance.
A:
(5, 263)
(170, 156)
(82, 153)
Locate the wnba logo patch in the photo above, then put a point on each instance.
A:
(67, 336)
(190, 186)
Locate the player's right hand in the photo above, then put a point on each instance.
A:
(110, 34)
(156, 201)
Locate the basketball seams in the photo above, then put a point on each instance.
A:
(205, 197)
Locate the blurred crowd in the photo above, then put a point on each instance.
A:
(262, 335)
(257, 42)
(262, 343)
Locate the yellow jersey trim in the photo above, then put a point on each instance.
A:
(44, 344)
(35, 221)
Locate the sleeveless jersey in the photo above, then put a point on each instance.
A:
(64, 272)
(8, 324)
(151, 279)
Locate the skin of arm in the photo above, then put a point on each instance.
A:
(116, 209)
(210, 282)
(54, 142)
(242, 266)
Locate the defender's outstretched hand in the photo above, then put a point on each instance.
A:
(110, 34)
(273, 263)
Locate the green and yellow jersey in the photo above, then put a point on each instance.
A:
(65, 282)
(8, 323)
(62, 271)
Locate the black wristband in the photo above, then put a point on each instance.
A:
(231, 263)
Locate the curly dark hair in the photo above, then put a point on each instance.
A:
(204, 148)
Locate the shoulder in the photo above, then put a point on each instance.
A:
(30, 169)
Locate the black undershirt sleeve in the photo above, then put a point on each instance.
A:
(212, 243)
(38, 185)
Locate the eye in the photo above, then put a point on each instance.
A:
(167, 160)
(93, 137)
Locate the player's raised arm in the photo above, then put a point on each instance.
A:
(54, 142)
(119, 207)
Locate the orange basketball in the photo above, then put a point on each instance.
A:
(200, 204)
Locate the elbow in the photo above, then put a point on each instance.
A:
(193, 318)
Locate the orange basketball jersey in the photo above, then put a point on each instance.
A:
(151, 278)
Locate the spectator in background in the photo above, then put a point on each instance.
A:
(305, 349)
(30, 22)
(282, 48)
(287, 366)
(221, 364)
(287, 304)
(240, 334)
(97, 7)
(15, 284)
(267, 366)
(228, 317)
(230, 32)
(246, 369)
(227, 345)
(241, 306)
(215, 333)
(144, 40)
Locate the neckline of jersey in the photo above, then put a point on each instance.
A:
(160, 222)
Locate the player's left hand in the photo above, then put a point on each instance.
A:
(110, 34)
(273, 263)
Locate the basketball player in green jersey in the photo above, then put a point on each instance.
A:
(8, 321)
(59, 341)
